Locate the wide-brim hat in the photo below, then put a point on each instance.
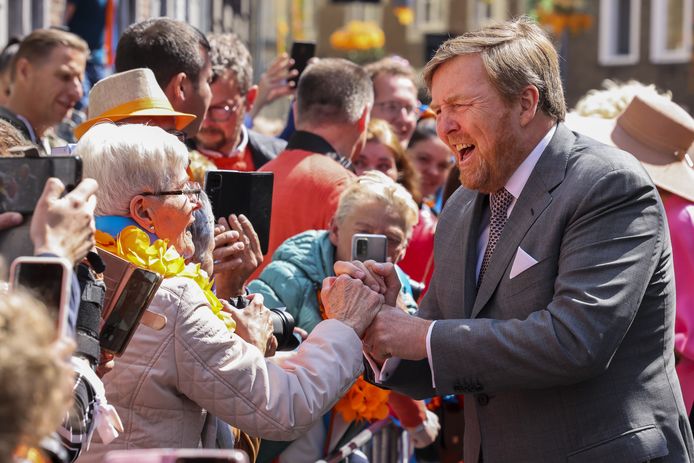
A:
(658, 132)
(128, 94)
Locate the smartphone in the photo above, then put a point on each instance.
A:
(247, 193)
(48, 280)
(369, 247)
(22, 179)
(301, 53)
(177, 456)
(129, 291)
(21, 184)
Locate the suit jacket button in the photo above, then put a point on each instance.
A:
(482, 399)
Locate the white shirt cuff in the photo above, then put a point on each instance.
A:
(431, 362)
(383, 373)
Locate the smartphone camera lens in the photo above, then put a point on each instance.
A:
(362, 248)
(214, 182)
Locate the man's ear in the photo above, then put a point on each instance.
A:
(175, 90)
(529, 99)
(251, 95)
(333, 231)
(23, 69)
(364, 119)
(295, 113)
(141, 213)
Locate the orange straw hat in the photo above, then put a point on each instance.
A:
(128, 94)
(658, 132)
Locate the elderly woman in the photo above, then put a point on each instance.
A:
(374, 204)
(190, 361)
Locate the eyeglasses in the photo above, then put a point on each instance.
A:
(394, 109)
(178, 134)
(191, 190)
(222, 113)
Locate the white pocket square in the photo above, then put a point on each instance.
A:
(522, 262)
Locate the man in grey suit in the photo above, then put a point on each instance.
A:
(552, 303)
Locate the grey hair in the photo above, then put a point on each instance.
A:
(333, 91)
(202, 230)
(515, 54)
(230, 55)
(377, 185)
(127, 160)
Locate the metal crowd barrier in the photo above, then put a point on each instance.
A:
(381, 442)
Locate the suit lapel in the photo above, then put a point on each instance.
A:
(470, 226)
(534, 199)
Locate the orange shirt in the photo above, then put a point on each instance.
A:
(305, 194)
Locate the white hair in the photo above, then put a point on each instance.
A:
(613, 100)
(127, 160)
(374, 184)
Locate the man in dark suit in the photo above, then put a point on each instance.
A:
(552, 303)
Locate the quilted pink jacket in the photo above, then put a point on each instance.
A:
(166, 378)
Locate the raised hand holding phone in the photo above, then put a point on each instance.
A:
(64, 226)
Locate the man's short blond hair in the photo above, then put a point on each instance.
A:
(515, 54)
(36, 46)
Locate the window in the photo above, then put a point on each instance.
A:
(3, 22)
(619, 32)
(431, 14)
(671, 34)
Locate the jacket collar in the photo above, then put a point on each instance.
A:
(307, 141)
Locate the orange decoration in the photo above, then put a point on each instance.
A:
(363, 401)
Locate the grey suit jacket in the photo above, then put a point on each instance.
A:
(572, 359)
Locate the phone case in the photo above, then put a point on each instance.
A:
(301, 53)
(177, 456)
(129, 291)
(247, 193)
(369, 247)
(61, 317)
(15, 241)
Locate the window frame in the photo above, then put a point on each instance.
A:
(608, 18)
(659, 53)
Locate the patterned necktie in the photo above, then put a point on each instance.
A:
(498, 203)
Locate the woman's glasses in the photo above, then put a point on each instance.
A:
(191, 190)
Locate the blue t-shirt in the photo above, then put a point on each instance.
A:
(88, 22)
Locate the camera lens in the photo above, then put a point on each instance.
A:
(362, 247)
(283, 329)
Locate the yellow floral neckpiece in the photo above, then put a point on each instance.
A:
(133, 245)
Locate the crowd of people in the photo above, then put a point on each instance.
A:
(531, 254)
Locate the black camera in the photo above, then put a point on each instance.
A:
(283, 329)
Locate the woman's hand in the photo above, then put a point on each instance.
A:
(253, 325)
(106, 364)
(236, 255)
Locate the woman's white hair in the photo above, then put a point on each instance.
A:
(377, 185)
(610, 101)
(128, 160)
